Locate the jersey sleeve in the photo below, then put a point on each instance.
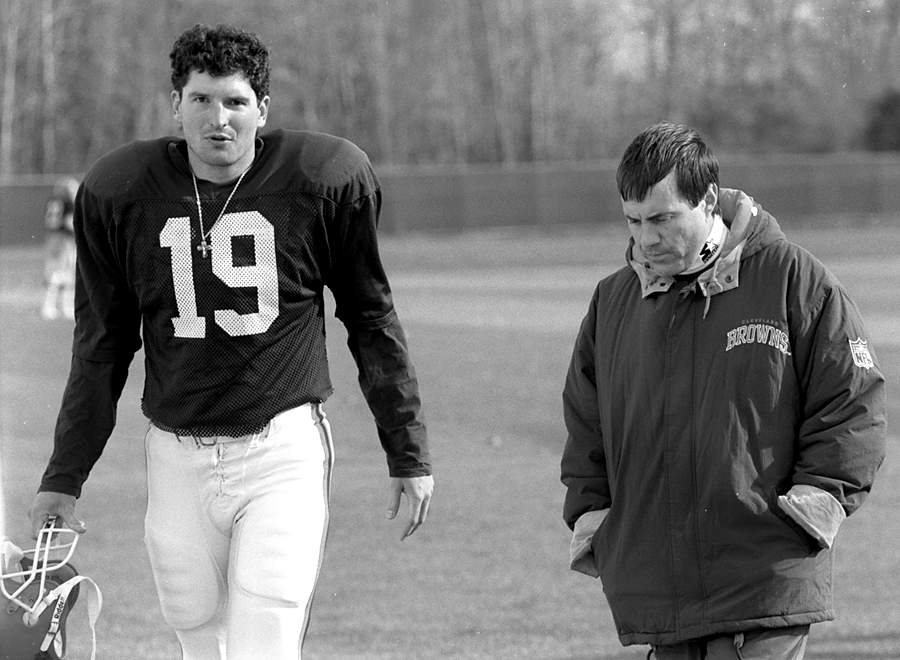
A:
(86, 420)
(107, 326)
(107, 323)
(374, 335)
(583, 464)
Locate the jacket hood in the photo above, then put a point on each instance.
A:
(747, 223)
(750, 229)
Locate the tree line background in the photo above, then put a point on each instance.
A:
(422, 82)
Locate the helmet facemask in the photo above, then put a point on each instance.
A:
(52, 551)
(39, 587)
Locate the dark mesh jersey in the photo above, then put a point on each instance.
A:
(235, 337)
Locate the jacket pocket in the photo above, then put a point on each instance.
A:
(598, 546)
(803, 537)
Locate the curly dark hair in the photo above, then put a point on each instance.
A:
(220, 51)
(657, 151)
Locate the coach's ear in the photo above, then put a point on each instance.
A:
(711, 199)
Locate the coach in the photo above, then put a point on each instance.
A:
(725, 413)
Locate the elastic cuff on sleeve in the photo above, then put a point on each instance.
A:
(817, 511)
(581, 554)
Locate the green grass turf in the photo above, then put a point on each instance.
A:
(491, 317)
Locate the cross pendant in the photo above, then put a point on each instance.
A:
(204, 248)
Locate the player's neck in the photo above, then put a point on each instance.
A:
(219, 174)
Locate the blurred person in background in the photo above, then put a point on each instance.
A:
(725, 414)
(59, 251)
(214, 248)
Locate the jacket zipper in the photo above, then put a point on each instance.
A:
(698, 538)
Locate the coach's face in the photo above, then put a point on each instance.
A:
(667, 229)
(219, 117)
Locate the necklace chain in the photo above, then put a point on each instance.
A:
(205, 247)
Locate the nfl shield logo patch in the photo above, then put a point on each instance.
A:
(859, 349)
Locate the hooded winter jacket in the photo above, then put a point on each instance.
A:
(691, 407)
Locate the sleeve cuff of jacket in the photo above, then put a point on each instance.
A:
(817, 511)
(581, 554)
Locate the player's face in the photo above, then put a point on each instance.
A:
(667, 229)
(219, 117)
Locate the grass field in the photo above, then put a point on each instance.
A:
(491, 318)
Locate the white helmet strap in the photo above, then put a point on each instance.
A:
(61, 594)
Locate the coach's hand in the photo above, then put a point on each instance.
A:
(49, 503)
(418, 491)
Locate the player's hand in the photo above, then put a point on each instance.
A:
(49, 503)
(418, 492)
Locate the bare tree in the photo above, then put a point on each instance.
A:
(484, 48)
(7, 112)
(888, 47)
(381, 67)
(48, 52)
(430, 81)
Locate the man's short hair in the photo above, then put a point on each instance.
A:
(658, 150)
(220, 51)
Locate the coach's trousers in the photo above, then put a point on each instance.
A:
(235, 531)
(763, 644)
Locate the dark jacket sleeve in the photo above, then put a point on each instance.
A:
(107, 326)
(375, 337)
(583, 465)
(842, 436)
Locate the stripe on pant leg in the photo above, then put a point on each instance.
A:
(324, 428)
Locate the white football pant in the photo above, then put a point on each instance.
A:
(235, 531)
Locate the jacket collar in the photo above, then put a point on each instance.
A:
(741, 215)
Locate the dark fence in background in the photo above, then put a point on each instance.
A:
(796, 189)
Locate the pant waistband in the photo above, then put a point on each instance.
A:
(313, 410)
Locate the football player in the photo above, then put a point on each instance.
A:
(214, 249)
(59, 252)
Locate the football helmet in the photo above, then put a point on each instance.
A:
(39, 588)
